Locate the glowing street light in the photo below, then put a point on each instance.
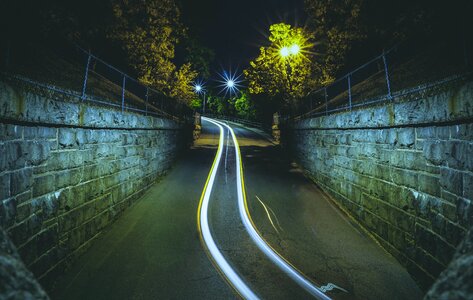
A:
(286, 51)
(199, 89)
(295, 49)
(230, 83)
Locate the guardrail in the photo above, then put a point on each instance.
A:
(70, 70)
(407, 68)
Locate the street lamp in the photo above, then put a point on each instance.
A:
(230, 82)
(295, 48)
(286, 51)
(199, 88)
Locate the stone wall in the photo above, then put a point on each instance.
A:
(403, 170)
(68, 169)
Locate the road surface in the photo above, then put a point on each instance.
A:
(195, 236)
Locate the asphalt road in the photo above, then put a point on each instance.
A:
(156, 250)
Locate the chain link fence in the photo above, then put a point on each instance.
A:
(407, 68)
(73, 71)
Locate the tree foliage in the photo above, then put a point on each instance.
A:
(200, 56)
(337, 25)
(149, 32)
(244, 106)
(273, 74)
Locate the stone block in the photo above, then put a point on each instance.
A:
(406, 137)
(21, 181)
(103, 203)
(8, 209)
(43, 185)
(47, 238)
(10, 132)
(404, 177)
(452, 181)
(40, 133)
(37, 152)
(4, 186)
(81, 138)
(66, 138)
(14, 155)
(69, 177)
(459, 155)
(468, 186)
(397, 238)
(443, 132)
(406, 159)
(103, 150)
(465, 212)
(425, 133)
(445, 208)
(435, 152)
(44, 262)
(462, 132)
(427, 262)
(429, 184)
(434, 244)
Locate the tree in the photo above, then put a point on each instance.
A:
(149, 32)
(284, 67)
(200, 56)
(244, 106)
(337, 25)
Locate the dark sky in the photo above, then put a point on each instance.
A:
(236, 29)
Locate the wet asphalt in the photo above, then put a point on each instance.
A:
(154, 252)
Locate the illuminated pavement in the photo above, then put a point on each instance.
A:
(154, 250)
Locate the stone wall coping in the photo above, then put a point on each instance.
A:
(450, 106)
(20, 105)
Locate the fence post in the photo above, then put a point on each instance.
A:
(388, 84)
(349, 89)
(326, 101)
(146, 101)
(84, 86)
(123, 92)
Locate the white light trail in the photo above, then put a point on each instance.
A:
(203, 224)
(276, 258)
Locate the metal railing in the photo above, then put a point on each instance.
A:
(410, 67)
(246, 122)
(70, 70)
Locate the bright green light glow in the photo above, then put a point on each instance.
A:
(284, 52)
(295, 49)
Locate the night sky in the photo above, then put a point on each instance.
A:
(236, 29)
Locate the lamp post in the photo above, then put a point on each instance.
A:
(230, 83)
(286, 53)
(199, 88)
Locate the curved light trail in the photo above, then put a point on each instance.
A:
(275, 257)
(202, 223)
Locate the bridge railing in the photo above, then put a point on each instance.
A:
(71, 70)
(407, 68)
